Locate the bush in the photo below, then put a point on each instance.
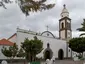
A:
(80, 56)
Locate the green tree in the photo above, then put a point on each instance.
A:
(27, 6)
(77, 44)
(32, 48)
(14, 50)
(11, 51)
(6, 52)
(82, 28)
(21, 53)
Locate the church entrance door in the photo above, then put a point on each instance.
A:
(47, 55)
(60, 54)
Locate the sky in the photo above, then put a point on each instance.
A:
(12, 17)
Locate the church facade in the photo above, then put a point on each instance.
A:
(52, 45)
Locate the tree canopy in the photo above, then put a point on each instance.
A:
(32, 47)
(6, 52)
(21, 53)
(33, 6)
(77, 44)
(27, 6)
(3, 2)
(11, 51)
(29, 49)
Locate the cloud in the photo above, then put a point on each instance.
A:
(13, 17)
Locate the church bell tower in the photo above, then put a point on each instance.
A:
(65, 24)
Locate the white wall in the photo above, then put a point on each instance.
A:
(13, 39)
(64, 15)
(69, 52)
(69, 35)
(55, 44)
(68, 21)
(62, 34)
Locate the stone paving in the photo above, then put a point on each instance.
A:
(60, 62)
(67, 62)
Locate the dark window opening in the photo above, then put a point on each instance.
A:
(69, 50)
(62, 25)
(60, 54)
(47, 34)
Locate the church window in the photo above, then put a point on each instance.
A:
(62, 25)
(48, 45)
(69, 50)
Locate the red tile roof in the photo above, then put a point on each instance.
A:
(6, 42)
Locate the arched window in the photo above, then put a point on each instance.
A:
(62, 25)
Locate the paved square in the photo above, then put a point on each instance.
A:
(67, 62)
(59, 62)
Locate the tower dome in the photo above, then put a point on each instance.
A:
(64, 12)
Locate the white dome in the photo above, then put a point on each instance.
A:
(64, 12)
(64, 9)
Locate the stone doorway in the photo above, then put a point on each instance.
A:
(60, 54)
(47, 55)
(48, 52)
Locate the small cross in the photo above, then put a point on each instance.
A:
(64, 6)
(47, 28)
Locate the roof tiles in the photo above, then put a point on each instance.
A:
(6, 42)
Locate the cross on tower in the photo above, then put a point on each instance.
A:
(64, 6)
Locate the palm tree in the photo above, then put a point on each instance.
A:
(82, 28)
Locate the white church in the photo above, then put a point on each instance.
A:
(55, 46)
